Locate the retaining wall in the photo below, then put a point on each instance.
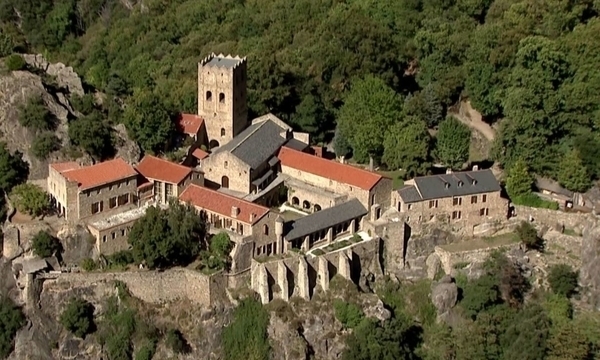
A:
(555, 218)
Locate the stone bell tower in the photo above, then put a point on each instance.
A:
(222, 97)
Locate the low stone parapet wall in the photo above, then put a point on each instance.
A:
(555, 218)
(158, 286)
(448, 259)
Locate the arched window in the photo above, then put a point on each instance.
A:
(222, 132)
(208, 96)
(222, 98)
(225, 165)
(266, 229)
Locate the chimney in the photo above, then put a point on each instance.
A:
(252, 217)
(235, 211)
(448, 171)
(475, 167)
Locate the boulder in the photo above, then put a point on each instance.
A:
(377, 311)
(444, 295)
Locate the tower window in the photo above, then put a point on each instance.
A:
(222, 132)
(208, 96)
(222, 98)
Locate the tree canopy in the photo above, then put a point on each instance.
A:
(30, 199)
(452, 145)
(167, 237)
(13, 169)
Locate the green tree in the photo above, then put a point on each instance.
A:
(34, 115)
(92, 134)
(311, 116)
(148, 121)
(13, 169)
(563, 280)
(452, 143)
(44, 144)
(350, 315)
(246, 336)
(341, 146)
(167, 237)
(15, 62)
(11, 320)
(45, 245)
(529, 236)
(30, 199)
(480, 295)
(568, 342)
(433, 109)
(406, 146)
(519, 182)
(175, 341)
(369, 107)
(84, 104)
(78, 317)
(572, 174)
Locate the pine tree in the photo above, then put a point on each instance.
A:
(433, 106)
(572, 174)
(341, 147)
(519, 181)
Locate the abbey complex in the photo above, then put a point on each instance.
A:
(296, 217)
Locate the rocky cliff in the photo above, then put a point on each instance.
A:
(589, 274)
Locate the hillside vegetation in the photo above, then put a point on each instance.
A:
(534, 64)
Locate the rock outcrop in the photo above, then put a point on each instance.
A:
(589, 274)
(65, 76)
(444, 296)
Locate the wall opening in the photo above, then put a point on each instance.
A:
(225, 182)
(317, 207)
(213, 144)
(222, 132)
(305, 205)
(222, 98)
(208, 96)
(295, 201)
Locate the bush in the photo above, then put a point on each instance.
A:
(175, 341)
(563, 280)
(44, 144)
(11, 320)
(146, 352)
(88, 264)
(532, 200)
(78, 317)
(30, 199)
(34, 115)
(15, 62)
(246, 337)
(45, 245)
(348, 314)
(120, 259)
(528, 235)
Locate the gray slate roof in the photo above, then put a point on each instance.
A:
(323, 219)
(296, 144)
(255, 145)
(223, 62)
(434, 187)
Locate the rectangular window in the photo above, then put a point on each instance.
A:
(122, 232)
(373, 199)
(228, 223)
(240, 228)
(457, 201)
(474, 199)
(123, 199)
(95, 208)
(112, 202)
(158, 191)
(104, 238)
(114, 235)
(169, 190)
(483, 198)
(409, 206)
(431, 204)
(484, 212)
(456, 215)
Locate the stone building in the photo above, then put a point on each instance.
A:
(165, 179)
(222, 97)
(315, 183)
(248, 163)
(190, 125)
(80, 192)
(469, 198)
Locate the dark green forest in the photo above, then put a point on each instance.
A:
(381, 70)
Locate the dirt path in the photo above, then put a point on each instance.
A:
(470, 117)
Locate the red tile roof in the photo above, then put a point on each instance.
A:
(189, 123)
(100, 174)
(200, 154)
(328, 169)
(65, 166)
(155, 168)
(222, 204)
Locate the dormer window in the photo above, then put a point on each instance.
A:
(447, 185)
(474, 182)
(460, 184)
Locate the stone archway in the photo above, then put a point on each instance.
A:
(213, 144)
(317, 207)
(225, 182)
(295, 201)
(305, 205)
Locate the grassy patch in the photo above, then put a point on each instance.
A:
(482, 243)
(460, 265)
(571, 232)
(397, 177)
(318, 252)
(337, 245)
(532, 200)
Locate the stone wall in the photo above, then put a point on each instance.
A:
(103, 195)
(155, 286)
(224, 164)
(555, 218)
(448, 259)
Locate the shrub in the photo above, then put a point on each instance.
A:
(120, 259)
(175, 341)
(528, 235)
(348, 314)
(146, 352)
(34, 115)
(15, 62)
(563, 280)
(30, 199)
(88, 264)
(78, 317)
(45, 245)
(11, 320)
(246, 337)
(44, 144)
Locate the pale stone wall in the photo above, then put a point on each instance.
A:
(449, 259)
(112, 240)
(153, 286)
(220, 225)
(263, 232)
(381, 193)
(555, 218)
(226, 108)
(236, 171)
(297, 195)
(103, 194)
(470, 213)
